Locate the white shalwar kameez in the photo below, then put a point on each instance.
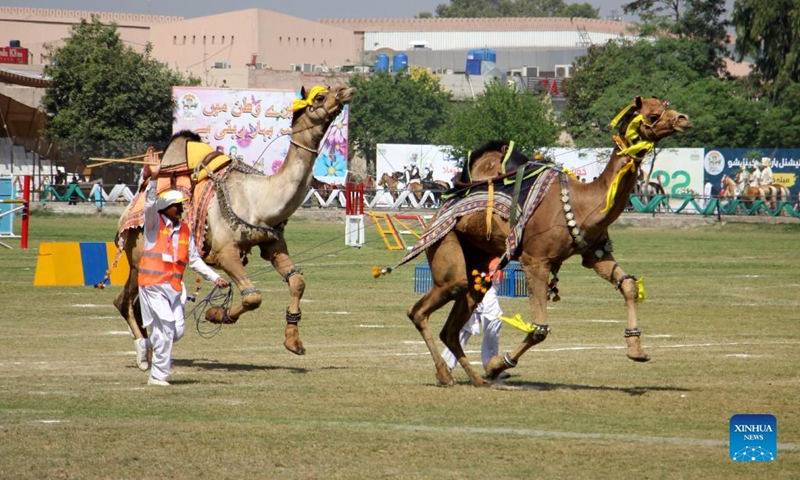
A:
(483, 318)
(766, 177)
(162, 307)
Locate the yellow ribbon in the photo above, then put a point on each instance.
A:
(621, 114)
(301, 103)
(612, 190)
(637, 145)
(517, 322)
(640, 285)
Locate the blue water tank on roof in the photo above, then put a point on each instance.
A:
(476, 57)
(400, 63)
(381, 62)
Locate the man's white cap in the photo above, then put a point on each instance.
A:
(765, 161)
(168, 198)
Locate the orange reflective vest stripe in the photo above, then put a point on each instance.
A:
(157, 265)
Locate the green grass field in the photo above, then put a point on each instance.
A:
(720, 322)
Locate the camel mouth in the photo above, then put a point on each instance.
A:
(345, 95)
(683, 126)
(682, 123)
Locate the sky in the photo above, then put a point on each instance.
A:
(308, 9)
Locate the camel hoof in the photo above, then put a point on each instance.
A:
(293, 342)
(496, 368)
(219, 315)
(640, 357)
(444, 376)
(445, 380)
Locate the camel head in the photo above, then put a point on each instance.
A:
(319, 106)
(649, 120)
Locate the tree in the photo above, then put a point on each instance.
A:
(396, 108)
(580, 10)
(514, 8)
(609, 76)
(105, 97)
(780, 125)
(701, 20)
(769, 32)
(501, 113)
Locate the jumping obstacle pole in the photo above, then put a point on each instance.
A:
(354, 212)
(391, 235)
(8, 197)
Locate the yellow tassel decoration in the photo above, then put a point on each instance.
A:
(640, 285)
(517, 322)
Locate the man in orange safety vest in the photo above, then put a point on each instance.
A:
(168, 248)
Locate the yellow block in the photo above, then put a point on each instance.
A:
(64, 264)
(119, 274)
(59, 264)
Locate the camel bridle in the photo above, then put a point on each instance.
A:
(328, 116)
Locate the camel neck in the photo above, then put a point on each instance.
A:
(610, 192)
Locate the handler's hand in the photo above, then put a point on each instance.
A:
(221, 282)
(153, 164)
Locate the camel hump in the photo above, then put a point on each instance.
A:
(175, 158)
(202, 158)
(512, 158)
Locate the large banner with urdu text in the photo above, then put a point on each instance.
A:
(785, 164)
(254, 126)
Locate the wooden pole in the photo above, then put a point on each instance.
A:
(127, 160)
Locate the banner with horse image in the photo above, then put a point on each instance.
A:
(785, 165)
(254, 126)
(399, 165)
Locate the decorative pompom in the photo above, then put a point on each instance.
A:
(380, 271)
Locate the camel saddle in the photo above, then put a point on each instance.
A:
(513, 161)
(202, 158)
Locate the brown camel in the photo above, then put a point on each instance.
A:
(571, 218)
(252, 213)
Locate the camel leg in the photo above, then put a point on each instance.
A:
(448, 269)
(536, 276)
(608, 269)
(277, 253)
(128, 308)
(126, 301)
(459, 315)
(229, 260)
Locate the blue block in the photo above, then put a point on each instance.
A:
(514, 284)
(7, 192)
(94, 258)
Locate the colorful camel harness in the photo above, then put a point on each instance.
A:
(538, 176)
